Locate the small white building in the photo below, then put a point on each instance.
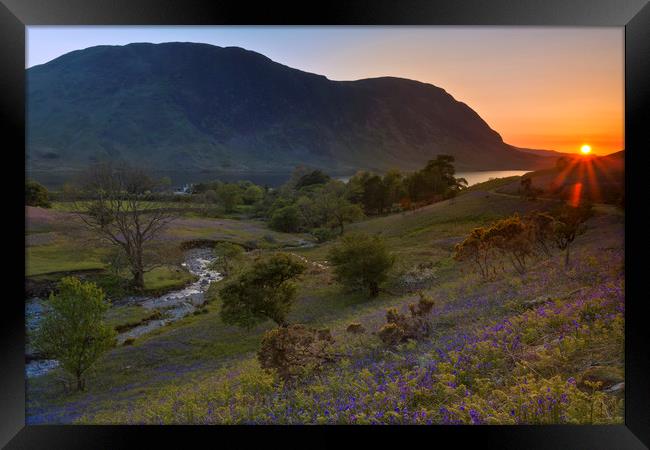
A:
(184, 190)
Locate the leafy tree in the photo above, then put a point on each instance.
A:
(394, 185)
(227, 255)
(230, 196)
(264, 291)
(73, 331)
(253, 194)
(36, 194)
(121, 213)
(312, 178)
(335, 208)
(286, 219)
(569, 224)
(211, 196)
(361, 261)
(375, 194)
(435, 181)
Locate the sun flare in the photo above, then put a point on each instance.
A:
(585, 149)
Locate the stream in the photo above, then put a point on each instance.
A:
(173, 305)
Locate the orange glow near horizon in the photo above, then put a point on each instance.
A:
(585, 149)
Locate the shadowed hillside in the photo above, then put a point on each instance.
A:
(186, 106)
(599, 179)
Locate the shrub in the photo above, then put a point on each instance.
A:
(477, 249)
(323, 234)
(362, 262)
(285, 219)
(511, 236)
(253, 194)
(36, 194)
(355, 328)
(541, 229)
(401, 328)
(295, 350)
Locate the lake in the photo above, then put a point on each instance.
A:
(481, 176)
(477, 176)
(54, 180)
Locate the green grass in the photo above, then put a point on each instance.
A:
(70, 207)
(62, 256)
(198, 345)
(166, 277)
(121, 316)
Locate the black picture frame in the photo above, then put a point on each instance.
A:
(634, 15)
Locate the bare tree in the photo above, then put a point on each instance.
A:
(115, 204)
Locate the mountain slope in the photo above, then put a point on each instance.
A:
(196, 106)
(598, 178)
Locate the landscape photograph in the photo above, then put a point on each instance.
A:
(324, 225)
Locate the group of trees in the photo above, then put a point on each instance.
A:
(229, 195)
(434, 182)
(311, 202)
(520, 238)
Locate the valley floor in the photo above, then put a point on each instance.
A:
(543, 347)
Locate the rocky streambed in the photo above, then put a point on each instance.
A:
(173, 306)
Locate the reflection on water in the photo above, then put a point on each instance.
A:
(481, 176)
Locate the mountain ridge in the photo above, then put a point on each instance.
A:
(190, 106)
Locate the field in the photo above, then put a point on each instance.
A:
(528, 348)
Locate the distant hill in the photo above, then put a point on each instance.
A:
(188, 106)
(549, 153)
(598, 178)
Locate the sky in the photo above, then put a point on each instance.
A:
(540, 87)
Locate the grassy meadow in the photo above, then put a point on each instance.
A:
(545, 346)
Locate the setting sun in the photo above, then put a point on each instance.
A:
(585, 149)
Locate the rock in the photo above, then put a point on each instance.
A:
(537, 301)
(618, 387)
(606, 375)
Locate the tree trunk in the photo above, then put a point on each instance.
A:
(566, 257)
(80, 383)
(138, 273)
(374, 290)
(138, 280)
